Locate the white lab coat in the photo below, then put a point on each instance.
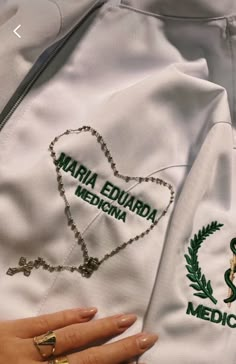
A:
(157, 81)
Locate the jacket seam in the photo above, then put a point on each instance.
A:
(233, 66)
(61, 17)
(174, 17)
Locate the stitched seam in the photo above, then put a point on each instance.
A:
(61, 18)
(233, 71)
(173, 17)
(222, 122)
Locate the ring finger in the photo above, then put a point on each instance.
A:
(77, 336)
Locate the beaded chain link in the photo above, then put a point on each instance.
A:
(90, 264)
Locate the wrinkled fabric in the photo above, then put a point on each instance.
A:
(157, 82)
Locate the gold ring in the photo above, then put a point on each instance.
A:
(46, 344)
(61, 360)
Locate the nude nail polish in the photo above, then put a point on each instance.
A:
(146, 341)
(88, 312)
(126, 320)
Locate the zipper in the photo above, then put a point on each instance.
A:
(23, 89)
(230, 34)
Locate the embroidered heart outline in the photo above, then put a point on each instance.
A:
(117, 174)
(90, 263)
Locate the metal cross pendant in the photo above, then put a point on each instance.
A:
(90, 265)
(24, 267)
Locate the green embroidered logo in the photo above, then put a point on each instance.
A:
(229, 275)
(195, 275)
(202, 286)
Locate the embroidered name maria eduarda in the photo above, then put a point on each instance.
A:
(109, 190)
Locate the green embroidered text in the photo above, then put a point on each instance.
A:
(112, 192)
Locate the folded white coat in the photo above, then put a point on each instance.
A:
(117, 167)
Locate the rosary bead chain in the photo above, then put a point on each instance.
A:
(90, 264)
(110, 160)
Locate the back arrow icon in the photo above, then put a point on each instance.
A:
(15, 31)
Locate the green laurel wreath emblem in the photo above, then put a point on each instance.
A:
(199, 281)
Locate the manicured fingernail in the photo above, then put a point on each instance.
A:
(146, 341)
(88, 312)
(126, 320)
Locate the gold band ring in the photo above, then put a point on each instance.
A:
(61, 360)
(45, 342)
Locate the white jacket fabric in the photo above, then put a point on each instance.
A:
(156, 80)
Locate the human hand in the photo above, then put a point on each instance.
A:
(74, 332)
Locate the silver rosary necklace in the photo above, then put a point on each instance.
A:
(90, 264)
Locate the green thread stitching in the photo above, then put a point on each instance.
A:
(195, 275)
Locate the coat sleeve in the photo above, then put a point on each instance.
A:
(198, 243)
